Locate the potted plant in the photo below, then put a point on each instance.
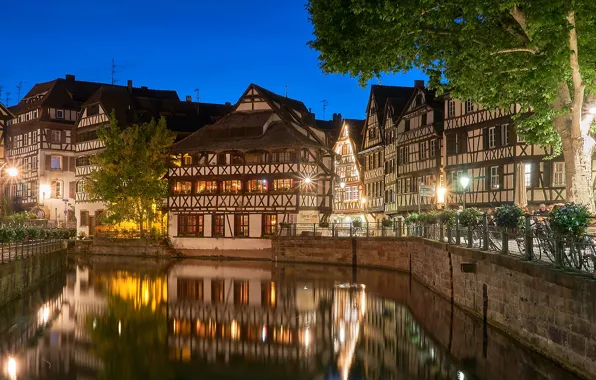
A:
(570, 220)
(470, 217)
(387, 223)
(357, 223)
(447, 217)
(508, 216)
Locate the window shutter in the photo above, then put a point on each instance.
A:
(511, 136)
(485, 138)
(53, 190)
(72, 189)
(547, 174)
(463, 140)
(65, 163)
(498, 135)
(72, 164)
(48, 162)
(501, 177)
(487, 176)
(534, 175)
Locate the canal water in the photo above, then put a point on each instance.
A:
(140, 319)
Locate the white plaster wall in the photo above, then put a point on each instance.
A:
(229, 225)
(255, 225)
(90, 207)
(208, 225)
(220, 243)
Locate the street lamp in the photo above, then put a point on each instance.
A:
(441, 195)
(12, 172)
(342, 185)
(464, 182)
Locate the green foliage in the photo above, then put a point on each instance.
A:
(509, 216)
(412, 218)
(430, 217)
(324, 224)
(387, 223)
(570, 220)
(20, 218)
(131, 169)
(357, 223)
(447, 217)
(15, 233)
(495, 52)
(470, 217)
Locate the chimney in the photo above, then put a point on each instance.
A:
(129, 85)
(188, 98)
(337, 120)
(419, 83)
(70, 77)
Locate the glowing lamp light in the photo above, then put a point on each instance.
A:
(592, 110)
(363, 200)
(44, 191)
(464, 181)
(441, 194)
(307, 180)
(11, 368)
(342, 184)
(12, 172)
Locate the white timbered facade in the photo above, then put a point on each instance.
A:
(373, 147)
(263, 164)
(130, 105)
(5, 116)
(415, 158)
(482, 145)
(40, 143)
(348, 186)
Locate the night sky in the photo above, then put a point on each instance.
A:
(218, 46)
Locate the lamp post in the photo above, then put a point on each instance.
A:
(464, 182)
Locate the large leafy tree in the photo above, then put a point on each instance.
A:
(130, 170)
(539, 54)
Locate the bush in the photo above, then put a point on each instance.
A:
(7, 235)
(570, 220)
(470, 217)
(431, 217)
(412, 218)
(20, 234)
(509, 216)
(447, 217)
(33, 233)
(387, 223)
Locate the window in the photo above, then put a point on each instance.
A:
(255, 158)
(462, 142)
(423, 120)
(34, 137)
(269, 224)
(93, 109)
(451, 108)
(494, 177)
(283, 184)
(344, 149)
(491, 137)
(240, 292)
(256, 186)
(87, 136)
(55, 136)
(83, 161)
(59, 114)
(558, 174)
(234, 186)
(56, 189)
(285, 156)
(190, 289)
(186, 160)
(219, 227)
(182, 187)
(406, 154)
(348, 193)
(469, 106)
(406, 125)
(372, 133)
(268, 296)
(433, 148)
(206, 187)
(241, 225)
(190, 225)
(520, 139)
(504, 135)
(80, 188)
(84, 218)
(528, 174)
(56, 163)
(423, 154)
(354, 193)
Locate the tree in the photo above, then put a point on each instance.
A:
(130, 170)
(535, 53)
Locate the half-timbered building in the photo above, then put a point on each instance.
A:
(130, 105)
(40, 143)
(482, 145)
(262, 165)
(348, 187)
(5, 115)
(416, 156)
(373, 147)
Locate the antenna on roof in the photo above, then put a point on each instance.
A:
(19, 86)
(114, 80)
(7, 98)
(198, 94)
(286, 91)
(324, 107)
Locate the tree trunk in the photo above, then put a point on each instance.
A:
(578, 171)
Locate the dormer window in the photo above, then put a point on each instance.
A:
(59, 114)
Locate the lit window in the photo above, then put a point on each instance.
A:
(528, 174)
(182, 187)
(256, 186)
(491, 137)
(283, 184)
(559, 174)
(219, 225)
(187, 160)
(241, 225)
(190, 289)
(206, 187)
(56, 136)
(190, 225)
(234, 186)
(494, 177)
(269, 224)
(240, 292)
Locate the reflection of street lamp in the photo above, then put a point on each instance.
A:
(464, 182)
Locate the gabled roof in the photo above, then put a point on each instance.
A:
(399, 94)
(256, 129)
(355, 129)
(5, 114)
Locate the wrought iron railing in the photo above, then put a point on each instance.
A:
(533, 240)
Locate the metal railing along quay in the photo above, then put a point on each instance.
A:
(533, 240)
(19, 250)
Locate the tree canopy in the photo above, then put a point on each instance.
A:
(130, 170)
(495, 52)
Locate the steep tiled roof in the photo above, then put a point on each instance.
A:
(5, 114)
(355, 127)
(382, 93)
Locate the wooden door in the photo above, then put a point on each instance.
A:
(91, 225)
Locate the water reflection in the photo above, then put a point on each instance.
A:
(225, 321)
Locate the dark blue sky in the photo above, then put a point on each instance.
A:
(219, 46)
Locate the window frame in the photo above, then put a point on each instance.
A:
(468, 106)
(242, 223)
(492, 134)
(558, 173)
(451, 108)
(269, 224)
(180, 185)
(494, 174)
(216, 226)
(183, 225)
(528, 174)
(59, 158)
(211, 187)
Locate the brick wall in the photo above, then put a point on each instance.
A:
(550, 310)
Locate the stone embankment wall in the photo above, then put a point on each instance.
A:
(121, 247)
(548, 309)
(23, 275)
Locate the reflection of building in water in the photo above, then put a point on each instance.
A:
(218, 313)
(349, 308)
(66, 348)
